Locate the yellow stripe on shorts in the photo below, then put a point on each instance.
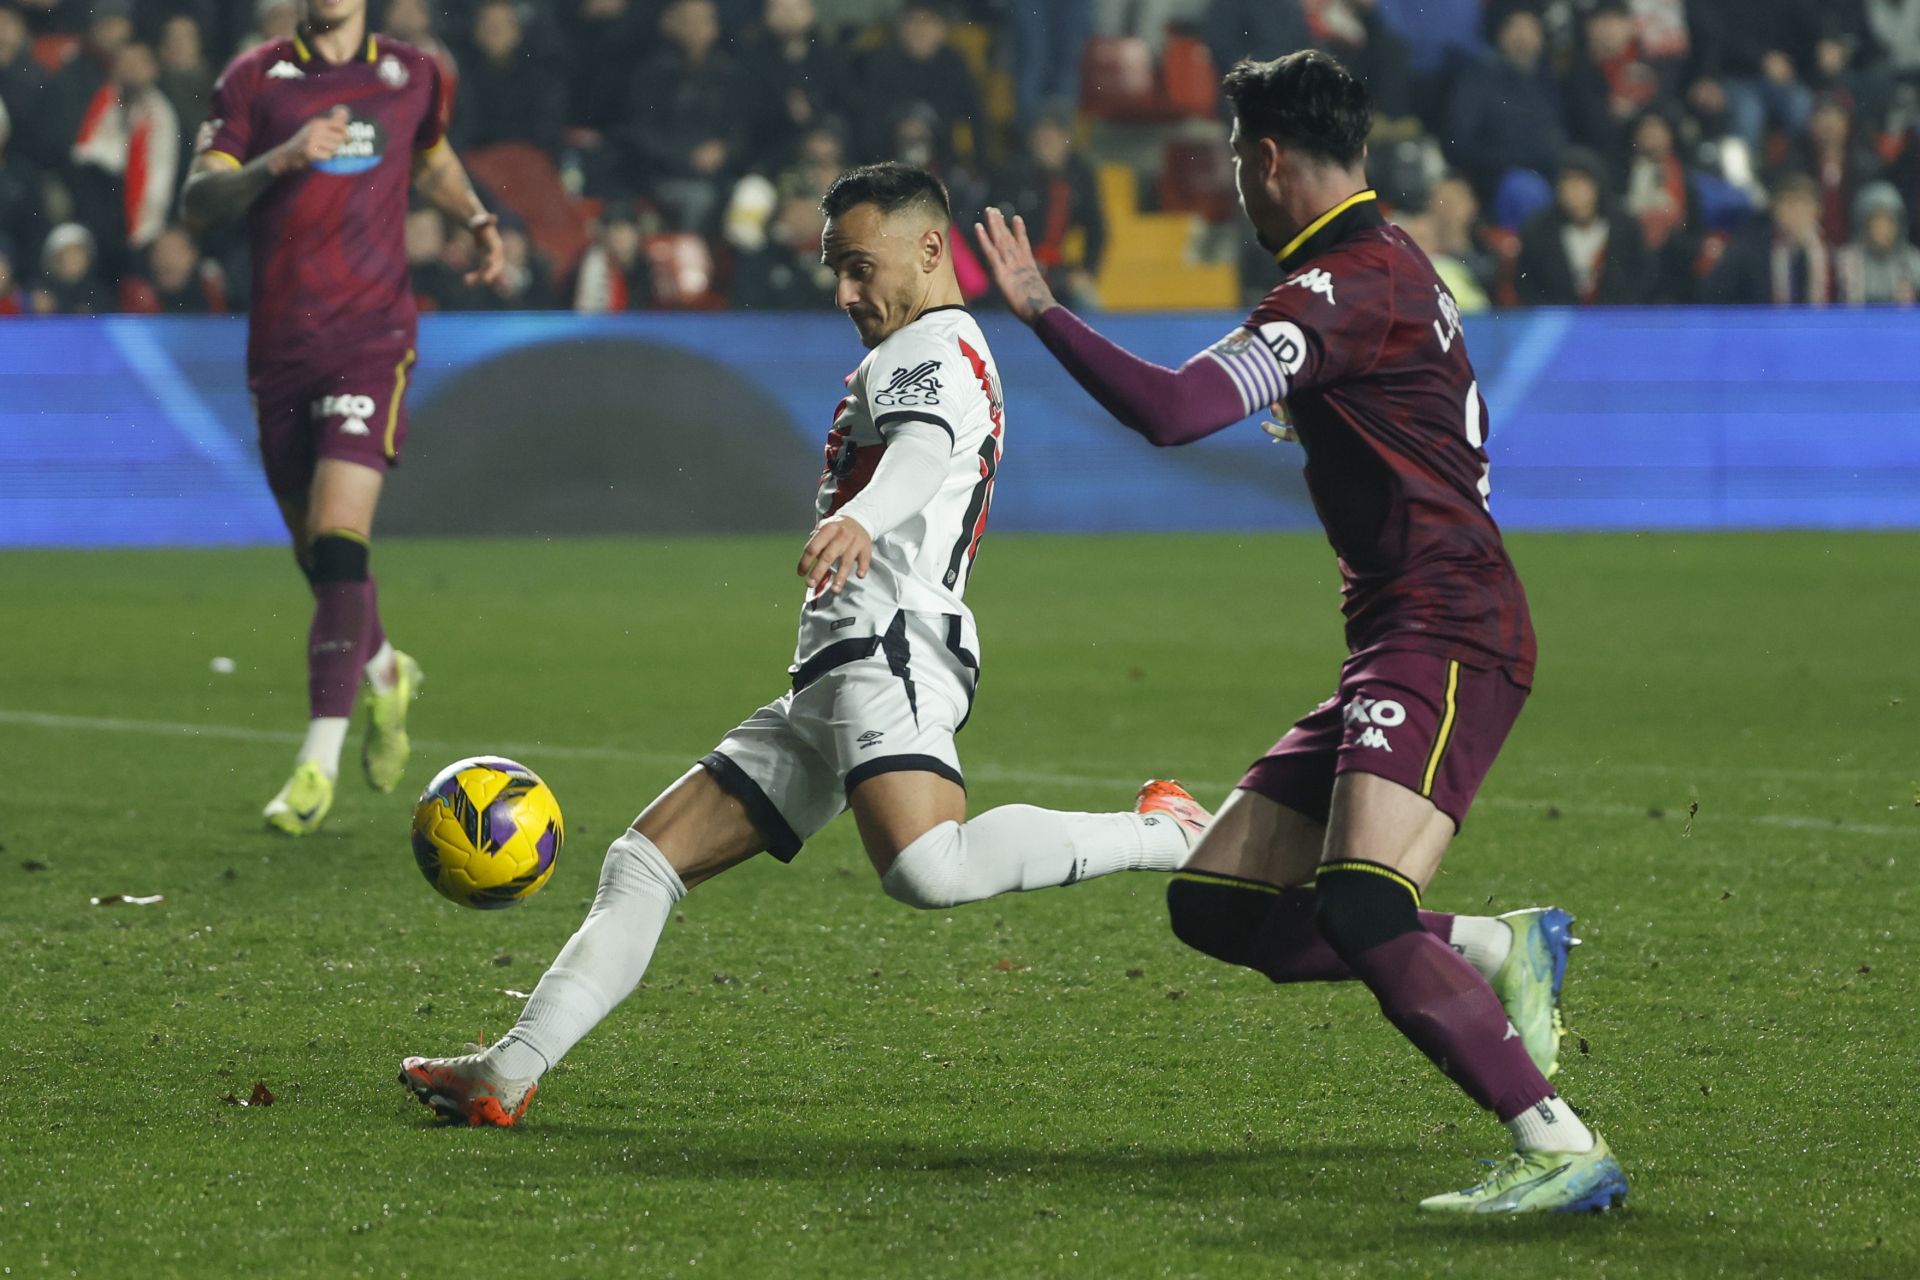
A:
(1445, 735)
(399, 390)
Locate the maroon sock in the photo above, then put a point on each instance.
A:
(336, 647)
(378, 635)
(1442, 1004)
(1268, 930)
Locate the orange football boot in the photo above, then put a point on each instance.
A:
(465, 1091)
(1169, 797)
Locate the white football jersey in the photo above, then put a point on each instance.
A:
(936, 370)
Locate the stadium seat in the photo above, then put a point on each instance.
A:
(683, 274)
(1117, 80)
(1189, 83)
(528, 183)
(1197, 177)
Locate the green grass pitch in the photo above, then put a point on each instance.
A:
(816, 1081)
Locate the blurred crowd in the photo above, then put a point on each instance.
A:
(671, 153)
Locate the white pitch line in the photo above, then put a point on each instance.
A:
(979, 773)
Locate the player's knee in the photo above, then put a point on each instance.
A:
(1360, 905)
(337, 557)
(928, 873)
(1216, 916)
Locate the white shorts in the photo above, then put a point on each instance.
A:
(860, 707)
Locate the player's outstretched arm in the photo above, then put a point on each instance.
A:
(220, 188)
(442, 179)
(1167, 406)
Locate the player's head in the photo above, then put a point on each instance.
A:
(1300, 126)
(326, 15)
(888, 241)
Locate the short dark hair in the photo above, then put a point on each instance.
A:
(891, 187)
(1305, 100)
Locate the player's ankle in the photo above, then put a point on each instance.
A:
(1484, 941)
(1550, 1125)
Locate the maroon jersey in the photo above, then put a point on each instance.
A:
(1374, 372)
(329, 242)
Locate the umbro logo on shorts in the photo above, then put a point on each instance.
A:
(871, 738)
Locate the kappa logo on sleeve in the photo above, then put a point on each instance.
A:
(909, 388)
(1316, 281)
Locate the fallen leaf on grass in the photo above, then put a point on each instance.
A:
(1007, 966)
(1693, 808)
(33, 864)
(260, 1097)
(502, 961)
(131, 900)
(517, 995)
(1136, 973)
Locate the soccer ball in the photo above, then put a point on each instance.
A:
(486, 832)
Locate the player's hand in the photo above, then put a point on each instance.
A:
(840, 548)
(317, 140)
(1010, 260)
(493, 256)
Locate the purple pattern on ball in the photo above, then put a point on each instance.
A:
(547, 845)
(500, 824)
(427, 856)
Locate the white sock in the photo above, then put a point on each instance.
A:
(600, 965)
(325, 736)
(1019, 847)
(380, 671)
(1550, 1125)
(1483, 940)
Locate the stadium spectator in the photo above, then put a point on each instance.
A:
(795, 76)
(1053, 188)
(272, 20)
(1784, 260)
(68, 285)
(1046, 41)
(684, 126)
(23, 215)
(1437, 33)
(1895, 24)
(126, 158)
(23, 88)
(1610, 85)
(412, 21)
(1881, 267)
(604, 40)
(1150, 20)
(437, 265)
(1506, 113)
(917, 74)
(1579, 251)
(513, 92)
(13, 299)
(1761, 51)
(177, 281)
(1353, 32)
(1661, 33)
(1443, 222)
(75, 89)
(527, 284)
(614, 274)
(1840, 163)
(185, 75)
(1660, 196)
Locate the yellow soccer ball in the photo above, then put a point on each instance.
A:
(486, 832)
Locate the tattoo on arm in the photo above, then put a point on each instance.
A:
(213, 196)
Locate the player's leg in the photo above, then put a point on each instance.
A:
(757, 792)
(911, 803)
(1247, 895)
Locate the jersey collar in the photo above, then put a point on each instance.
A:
(1357, 211)
(304, 51)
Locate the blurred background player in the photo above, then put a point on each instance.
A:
(316, 138)
(883, 674)
(1313, 869)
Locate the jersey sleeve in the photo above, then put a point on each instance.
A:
(228, 131)
(439, 114)
(916, 376)
(1315, 328)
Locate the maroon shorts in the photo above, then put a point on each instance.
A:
(1431, 724)
(353, 408)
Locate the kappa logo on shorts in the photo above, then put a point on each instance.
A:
(1376, 714)
(353, 410)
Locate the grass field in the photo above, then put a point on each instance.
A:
(816, 1081)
